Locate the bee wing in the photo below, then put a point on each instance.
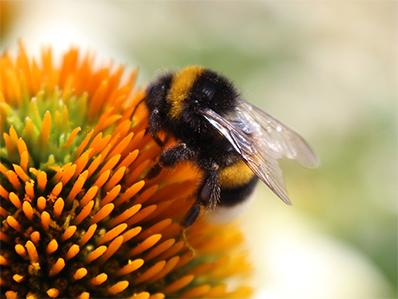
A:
(283, 141)
(261, 140)
(258, 157)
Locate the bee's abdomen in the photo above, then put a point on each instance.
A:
(235, 175)
(237, 182)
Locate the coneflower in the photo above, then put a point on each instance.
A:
(79, 217)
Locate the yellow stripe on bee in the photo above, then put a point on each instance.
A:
(180, 87)
(235, 175)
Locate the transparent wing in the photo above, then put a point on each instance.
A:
(283, 141)
(260, 160)
(261, 140)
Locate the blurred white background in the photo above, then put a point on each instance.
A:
(327, 69)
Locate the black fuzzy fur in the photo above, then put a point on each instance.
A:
(234, 196)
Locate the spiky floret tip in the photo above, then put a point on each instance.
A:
(79, 216)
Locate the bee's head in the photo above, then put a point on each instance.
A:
(156, 97)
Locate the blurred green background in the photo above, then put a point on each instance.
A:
(329, 70)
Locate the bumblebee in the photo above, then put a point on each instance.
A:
(233, 142)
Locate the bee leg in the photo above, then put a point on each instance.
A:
(155, 125)
(170, 158)
(154, 171)
(190, 218)
(209, 193)
(176, 154)
(192, 215)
